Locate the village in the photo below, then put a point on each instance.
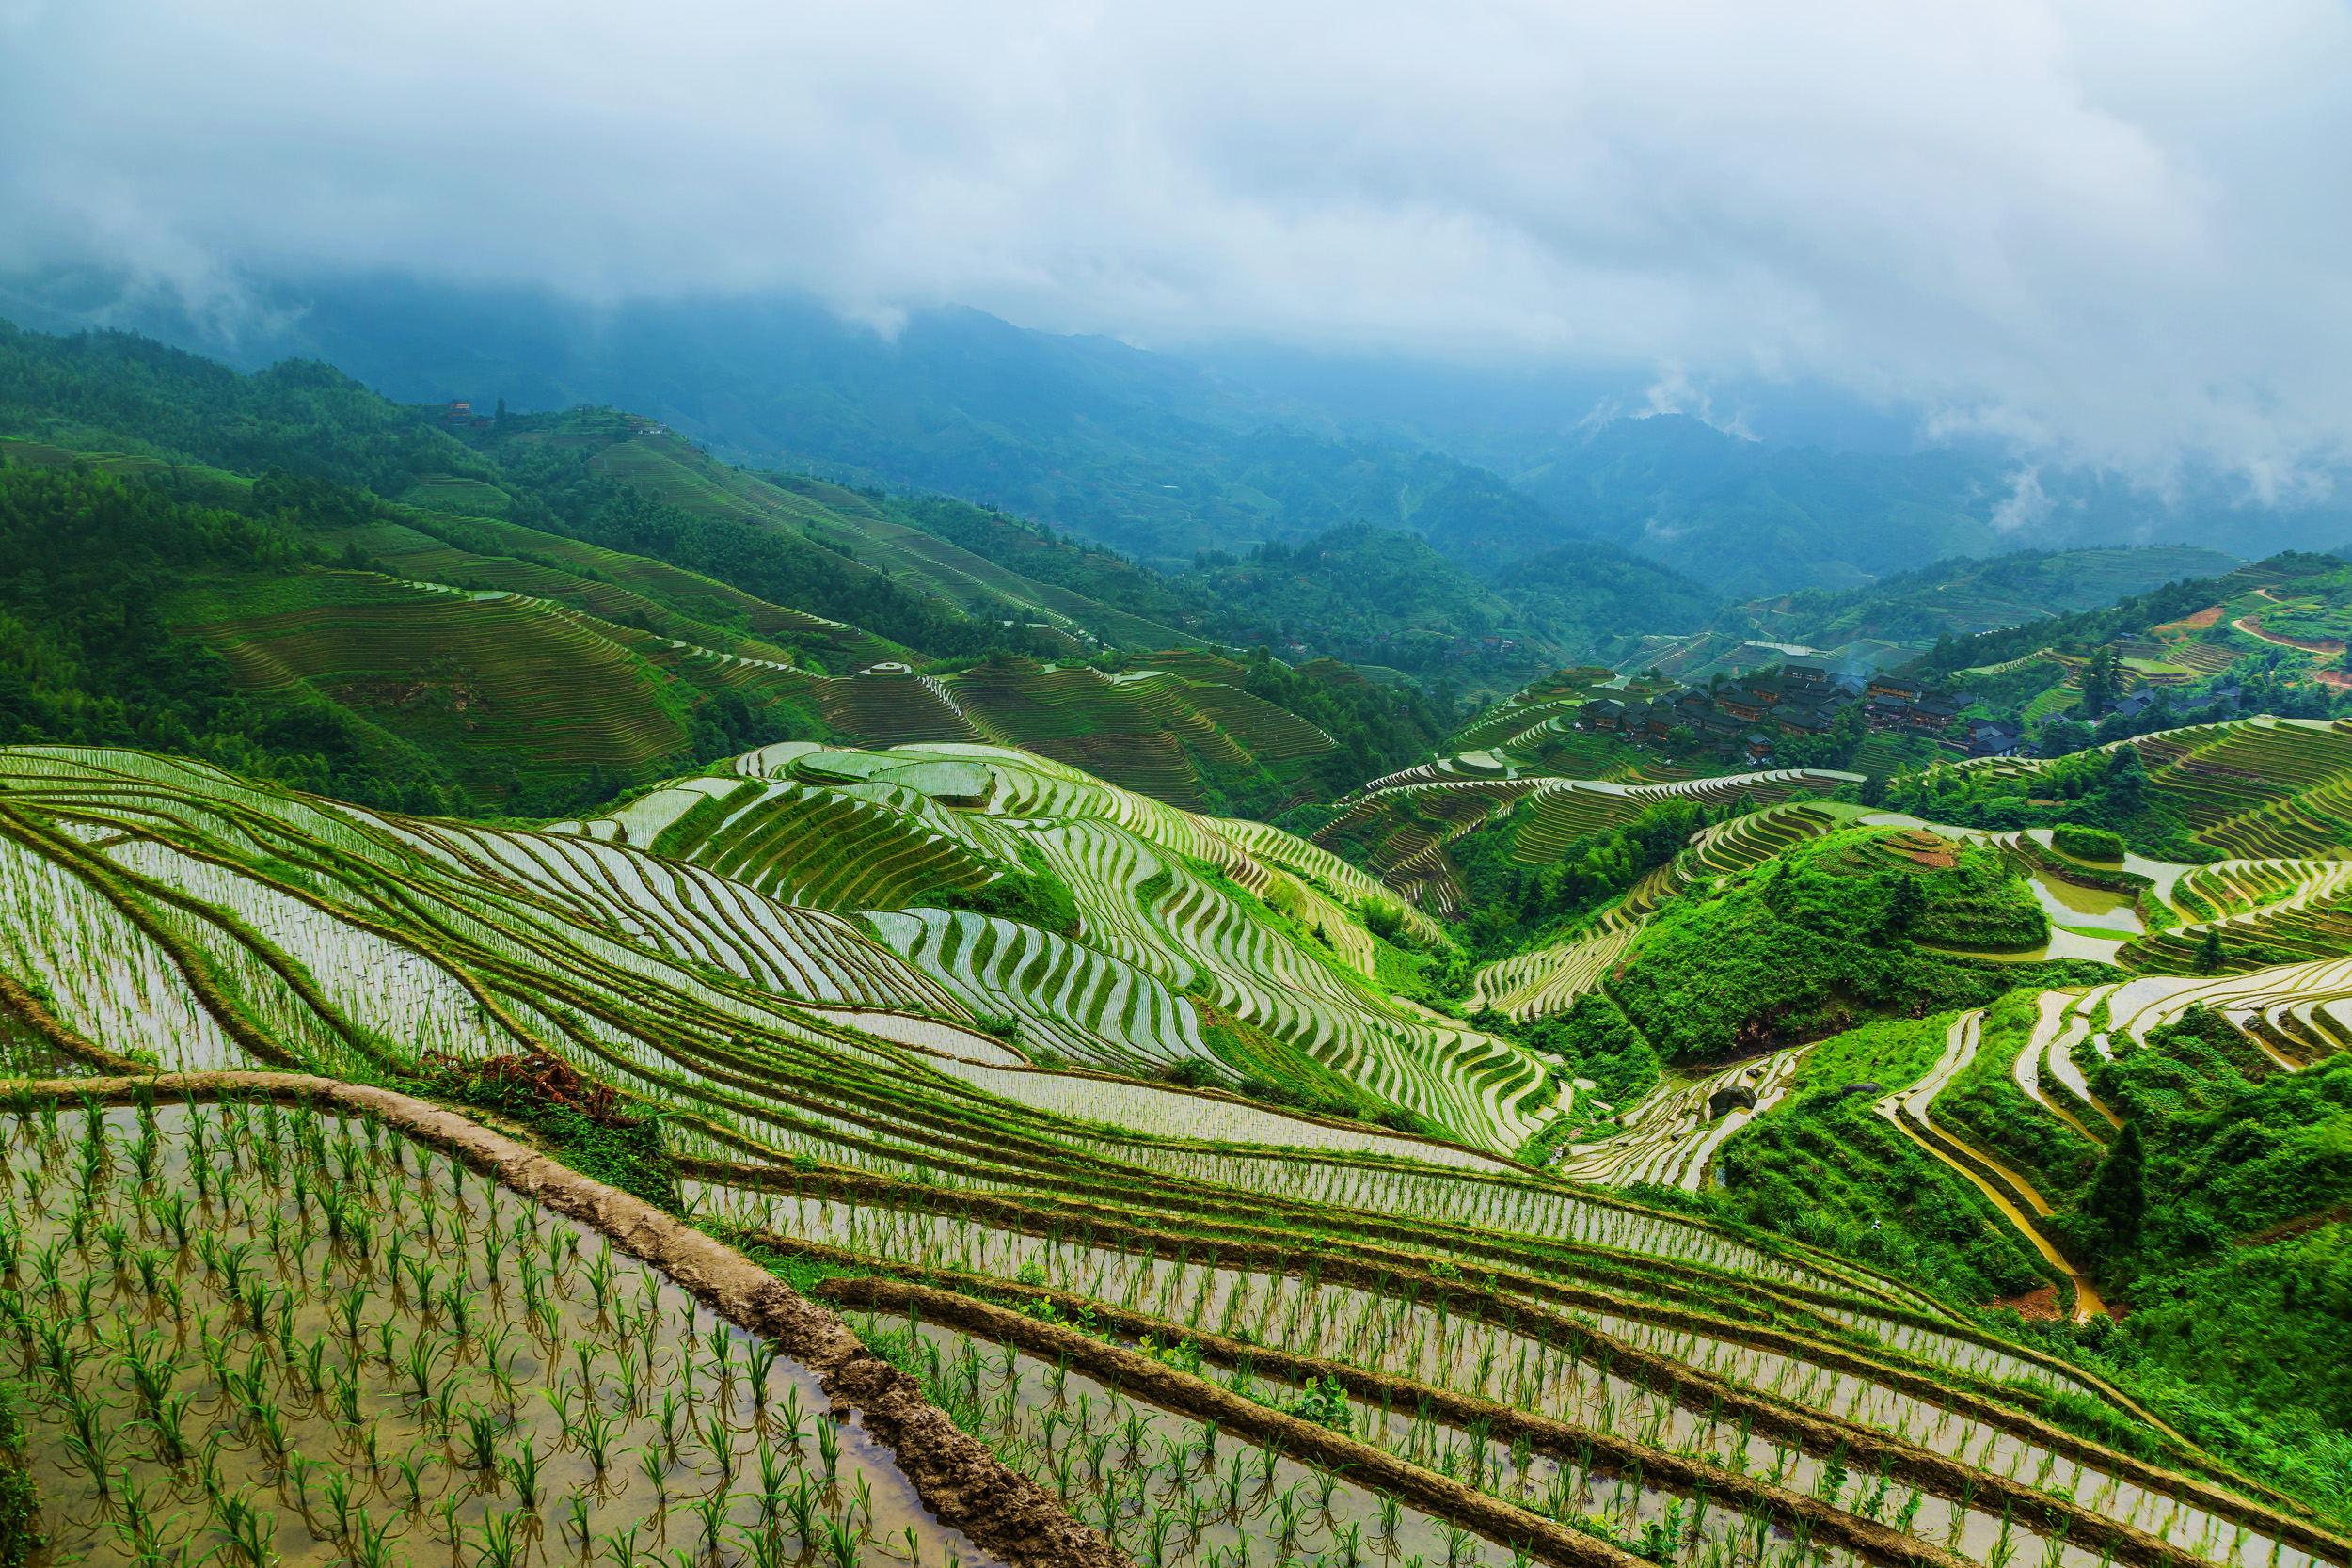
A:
(1795, 712)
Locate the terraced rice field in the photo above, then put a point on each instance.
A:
(1471, 1376)
(272, 1336)
(1146, 730)
(1548, 979)
(2257, 788)
(499, 673)
(1672, 1135)
(1204, 1329)
(1407, 818)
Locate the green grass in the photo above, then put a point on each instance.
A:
(1826, 1169)
(1986, 1104)
(468, 498)
(1892, 1052)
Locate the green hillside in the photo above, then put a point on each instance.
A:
(451, 613)
(1959, 599)
(565, 1002)
(1386, 597)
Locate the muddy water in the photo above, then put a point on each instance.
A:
(281, 1341)
(1403, 1340)
(2097, 909)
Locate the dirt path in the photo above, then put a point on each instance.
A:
(2248, 625)
(2336, 678)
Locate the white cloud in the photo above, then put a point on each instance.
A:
(2026, 504)
(2104, 231)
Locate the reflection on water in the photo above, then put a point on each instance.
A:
(2070, 904)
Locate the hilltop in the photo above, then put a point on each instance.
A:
(436, 610)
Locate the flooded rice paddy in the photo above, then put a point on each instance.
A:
(1395, 1334)
(255, 1338)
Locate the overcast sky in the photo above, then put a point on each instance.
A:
(2117, 230)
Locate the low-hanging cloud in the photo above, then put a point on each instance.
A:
(2108, 231)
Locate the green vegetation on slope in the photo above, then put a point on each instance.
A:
(631, 607)
(1384, 596)
(1965, 597)
(1825, 1167)
(1510, 905)
(1824, 935)
(89, 569)
(1986, 1104)
(2103, 790)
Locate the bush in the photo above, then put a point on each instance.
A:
(1822, 939)
(1322, 1401)
(1031, 897)
(1594, 1040)
(2087, 844)
(1194, 1073)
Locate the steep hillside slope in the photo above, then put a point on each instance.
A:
(853, 1084)
(437, 612)
(1133, 449)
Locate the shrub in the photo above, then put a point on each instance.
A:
(1194, 1073)
(1322, 1401)
(1594, 1040)
(2087, 844)
(1031, 897)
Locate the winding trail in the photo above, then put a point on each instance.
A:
(2327, 650)
(2004, 1188)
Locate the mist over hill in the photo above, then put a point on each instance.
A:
(1163, 456)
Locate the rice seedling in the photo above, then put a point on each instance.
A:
(351, 1389)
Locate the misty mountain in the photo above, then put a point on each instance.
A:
(1164, 457)
(1138, 450)
(1760, 489)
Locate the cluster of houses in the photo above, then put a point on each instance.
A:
(2187, 707)
(1746, 720)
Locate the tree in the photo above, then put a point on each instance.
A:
(2127, 777)
(2099, 683)
(2117, 1199)
(2063, 737)
(2211, 956)
(1906, 903)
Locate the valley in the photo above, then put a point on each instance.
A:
(565, 1001)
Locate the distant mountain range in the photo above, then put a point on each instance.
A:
(1163, 457)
